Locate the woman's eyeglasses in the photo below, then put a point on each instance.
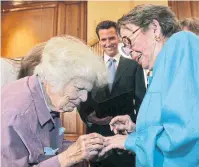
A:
(128, 41)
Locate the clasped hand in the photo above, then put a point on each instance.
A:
(91, 147)
(119, 125)
(122, 125)
(96, 147)
(87, 147)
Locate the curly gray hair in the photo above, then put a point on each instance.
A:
(66, 58)
(143, 16)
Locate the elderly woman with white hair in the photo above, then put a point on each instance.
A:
(31, 133)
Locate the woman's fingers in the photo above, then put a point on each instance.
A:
(90, 145)
(122, 125)
(93, 153)
(121, 119)
(120, 128)
(95, 147)
(94, 135)
(105, 150)
(113, 142)
(124, 119)
(94, 141)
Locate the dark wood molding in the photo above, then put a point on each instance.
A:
(8, 6)
(28, 6)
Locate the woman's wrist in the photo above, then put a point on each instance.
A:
(67, 160)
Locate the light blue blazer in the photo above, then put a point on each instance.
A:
(167, 128)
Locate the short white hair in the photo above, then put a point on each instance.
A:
(66, 58)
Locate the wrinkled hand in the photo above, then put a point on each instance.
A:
(122, 125)
(113, 142)
(92, 118)
(86, 147)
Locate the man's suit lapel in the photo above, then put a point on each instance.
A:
(122, 67)
(104, 92)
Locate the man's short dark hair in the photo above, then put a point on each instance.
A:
(105, 25)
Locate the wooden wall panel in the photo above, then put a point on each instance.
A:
(24, 28)
(195, 9)
(74, 24)
(74, 127)
(184, 9)
(72, 20)
(83, 21)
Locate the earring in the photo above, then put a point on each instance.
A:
(157, 39)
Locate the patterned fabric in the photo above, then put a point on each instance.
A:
(31, 135)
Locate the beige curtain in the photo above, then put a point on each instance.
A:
(184, 9)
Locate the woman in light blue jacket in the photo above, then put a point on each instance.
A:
(167, 128)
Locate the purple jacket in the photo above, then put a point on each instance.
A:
(28, 126)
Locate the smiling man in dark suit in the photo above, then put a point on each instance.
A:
(125, 75)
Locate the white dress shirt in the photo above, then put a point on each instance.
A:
(145, 77)
(116, 57)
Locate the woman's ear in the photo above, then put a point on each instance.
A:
(157, 29)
